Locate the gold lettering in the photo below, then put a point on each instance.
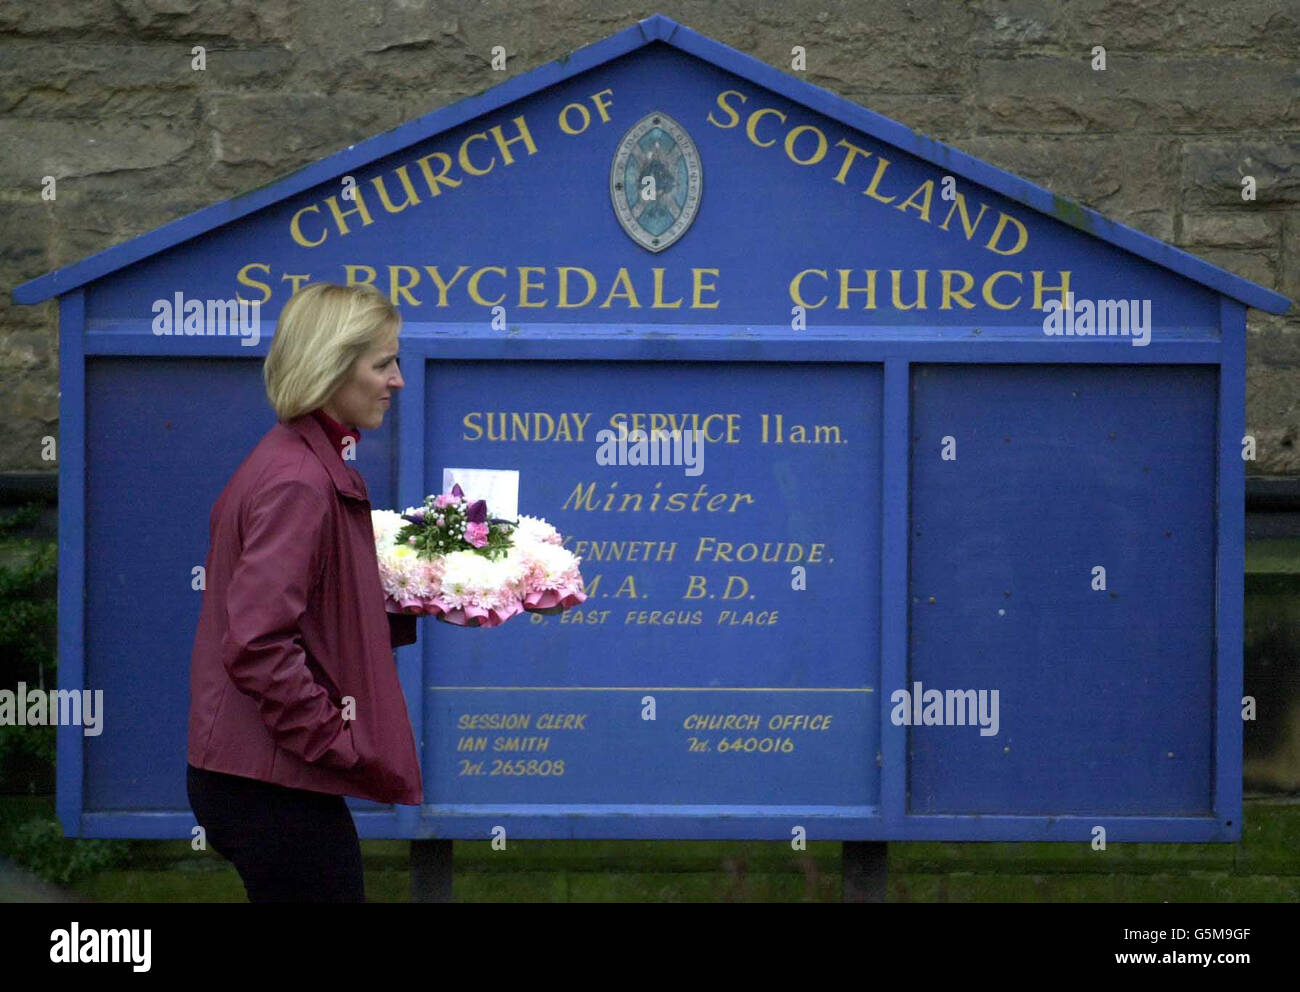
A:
(295, 281)
(578, 498)
(794, 134)
(473, 286)
(846, 289)
(1022, 237)
(397, 288)
(525, 285)
(988, 290)
(959, 206)
(629, 294)
(659, 303)
(411, 198)
(245, 279)
(504, 145)
(709, 419)
(752, 127)
(295, 231)
(463, 157)
(564, 118)
(430, 179)
(602, 106)
(352, 271)
(699, 286)
(731, 111)
(796, 289)
(854, 152)
(956, 294)
(442, 285)
(340, 214)
(881, 165)
(924, 208)
(920, 289)
(564, 285)
(1064, 287)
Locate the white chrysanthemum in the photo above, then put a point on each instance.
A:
(468, 570)
(402, 570)
(399, 557)
(548, 563)
(536, 530)
(471, 578)
(386, 524)
(425, 578)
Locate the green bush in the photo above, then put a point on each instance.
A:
(36, 742)
(28, 640)
(29, 611)
(23, 518)
(39, 846)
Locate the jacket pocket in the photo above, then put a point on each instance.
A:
(319, 674)
(344, 756)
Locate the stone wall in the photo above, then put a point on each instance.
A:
(1195, 94)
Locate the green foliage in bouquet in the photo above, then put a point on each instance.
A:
(464, 527)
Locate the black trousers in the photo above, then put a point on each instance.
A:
(288, 845)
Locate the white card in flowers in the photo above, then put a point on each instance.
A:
(498, 487)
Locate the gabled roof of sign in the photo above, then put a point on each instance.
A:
(655, 28)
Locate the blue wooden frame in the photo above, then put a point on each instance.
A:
(898, 354)
(897, 349)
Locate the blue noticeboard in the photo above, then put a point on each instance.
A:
(689, 576)
(954, 565)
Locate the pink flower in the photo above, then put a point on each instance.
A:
(444, 500)
(476, 534)
(439, 521)
(411, 540)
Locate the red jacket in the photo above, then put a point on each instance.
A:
(292, 622)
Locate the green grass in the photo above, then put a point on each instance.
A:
(1263, 867)
(1273, 555)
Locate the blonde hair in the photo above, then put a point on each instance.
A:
(322, 331)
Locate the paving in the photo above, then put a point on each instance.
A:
(18, 885)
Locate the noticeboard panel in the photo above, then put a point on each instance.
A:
(763, 693)
(1062, 566)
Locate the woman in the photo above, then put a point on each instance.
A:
(294, 695)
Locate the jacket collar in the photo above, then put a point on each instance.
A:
(346, 479)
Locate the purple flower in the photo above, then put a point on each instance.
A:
(476, 534)
(476, 512)
(417, 517)
(457, 491)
